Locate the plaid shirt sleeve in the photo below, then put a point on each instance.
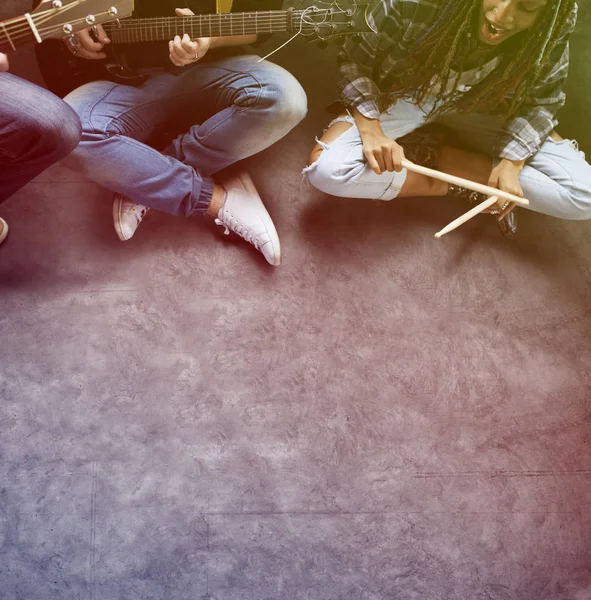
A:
(526, 133)
(357, 60)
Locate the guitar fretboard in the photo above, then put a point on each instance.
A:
(165, 28)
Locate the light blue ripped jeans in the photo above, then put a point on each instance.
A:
(556, 180)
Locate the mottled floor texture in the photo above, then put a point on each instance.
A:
(384, 417)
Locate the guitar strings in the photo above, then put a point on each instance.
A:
(156, 24)
(17, 33)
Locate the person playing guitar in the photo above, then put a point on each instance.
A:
(229, 104)
(36, 130)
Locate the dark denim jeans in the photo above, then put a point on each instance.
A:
(36, 130)
(237, 106)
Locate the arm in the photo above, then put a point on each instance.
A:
(357, 61)
(526, 133)
(3, 62)
(360, 92)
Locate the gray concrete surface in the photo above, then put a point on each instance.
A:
(384, 417)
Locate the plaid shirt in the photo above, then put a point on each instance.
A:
(369, 69)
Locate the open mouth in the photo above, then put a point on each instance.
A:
(493, 32)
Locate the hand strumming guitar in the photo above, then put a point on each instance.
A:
(3, 62)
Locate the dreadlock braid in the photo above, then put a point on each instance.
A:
(508, 87)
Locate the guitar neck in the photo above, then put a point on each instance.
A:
(155, 29)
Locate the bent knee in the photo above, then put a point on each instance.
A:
(70, 133)
(324, 174)
(54, 136)
(578, 194)
(579, 206)
(290, 103)
(315, 154)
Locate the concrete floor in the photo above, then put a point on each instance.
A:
(384, 417)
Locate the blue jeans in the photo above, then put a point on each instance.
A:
(556, 180)
(36, 130)
(236, 107)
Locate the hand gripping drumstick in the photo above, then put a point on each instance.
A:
(466, 183)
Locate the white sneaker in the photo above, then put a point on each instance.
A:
(4, 230)
(244, 213)
(127, 215)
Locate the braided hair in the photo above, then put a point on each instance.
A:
(508, 87)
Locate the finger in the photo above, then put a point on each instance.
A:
(176, 43)
(174, 59)
(179, 55)
(184, 12)
(505, 212)
(188, 46)
(101, 34)
(510, 186)
(373, 163)
(387, 158)
(177, 50)
(493, 180)
(398, 155)
(379, 156)
(86, 42)
(3, 62)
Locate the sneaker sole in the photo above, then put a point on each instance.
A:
(4, 230)
(248, 184)
(117, 201)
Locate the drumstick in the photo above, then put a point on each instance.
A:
(466, 183)
(467, 216)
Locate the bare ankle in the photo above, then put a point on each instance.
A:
(217, 200)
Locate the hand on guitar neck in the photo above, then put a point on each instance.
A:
(186, 50)
(3, 62)
(183, 50)
(89, 43)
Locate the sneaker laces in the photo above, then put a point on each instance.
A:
(239, 229)
(138, 210)
(142, 214)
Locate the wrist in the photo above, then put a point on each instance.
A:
(366, 125)
(519, 164)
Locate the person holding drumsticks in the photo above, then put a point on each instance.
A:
(489, 74)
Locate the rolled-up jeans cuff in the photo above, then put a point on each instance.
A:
(205, 195)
